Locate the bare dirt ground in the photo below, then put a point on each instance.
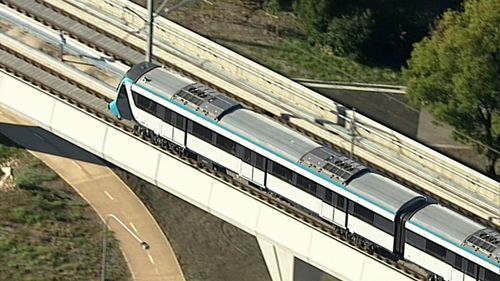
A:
(233, 21)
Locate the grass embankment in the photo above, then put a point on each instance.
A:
(297, 59)
(250, 31)
(47, 232)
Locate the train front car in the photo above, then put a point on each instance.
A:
(120, 107)
(452, 246)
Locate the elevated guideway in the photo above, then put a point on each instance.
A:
(400, 156)
(65, 107)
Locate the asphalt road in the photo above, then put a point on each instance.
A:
(388, 109)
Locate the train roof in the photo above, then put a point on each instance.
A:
(446, 223)
(332, 164)
(168, 84)
(164, 82)
(268, 133)
(460, 230)
(136, 71)
(382, 190)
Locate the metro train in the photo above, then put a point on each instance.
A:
(219, 133)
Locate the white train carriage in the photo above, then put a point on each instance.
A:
(386, 193)
(173, 110)
(452, 246)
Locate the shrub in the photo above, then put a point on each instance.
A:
(347, 34)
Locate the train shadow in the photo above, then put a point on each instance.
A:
(40, 140)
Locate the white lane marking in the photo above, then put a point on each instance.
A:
(38, 136)
(77, 165)
(151, 259)
(109, 195)
(133, 227)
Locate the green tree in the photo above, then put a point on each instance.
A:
(455, 74)
(346, 34)
(315, 16)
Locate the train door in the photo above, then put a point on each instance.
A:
(259, 168)
(147, 114)
(167, 129)
(246, 168)
(179, 130)
(327, 209)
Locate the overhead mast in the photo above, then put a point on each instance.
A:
(149, 49)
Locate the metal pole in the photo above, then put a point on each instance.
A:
(353, 123)
(149, 49)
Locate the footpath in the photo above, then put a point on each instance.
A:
(106, 193)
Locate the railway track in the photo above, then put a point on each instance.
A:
(123, 50)
(20, 62)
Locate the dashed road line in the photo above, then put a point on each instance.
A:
(109, 195)
(77, 165)
(133, 227)
(151, 259)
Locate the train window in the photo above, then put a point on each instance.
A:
(202, 132)
(458, 262)
(469, 267)
(306, 184)
(225, 144)
(362, 213)
(340, 202)
(486, 275)
(244, 153)
(134, 97)
(328, 196)
(415, 240)
(450, 257)
(259, 161)
(435, 249)
(179, 121)
(167, 116)
(282, 172)
(247, 155)
(383, 224)
(146, 104)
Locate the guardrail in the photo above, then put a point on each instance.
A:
(352, 86)
(281, 95)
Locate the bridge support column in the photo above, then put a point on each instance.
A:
(279, 261)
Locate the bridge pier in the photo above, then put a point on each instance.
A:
(279, 261)
(284, 266)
